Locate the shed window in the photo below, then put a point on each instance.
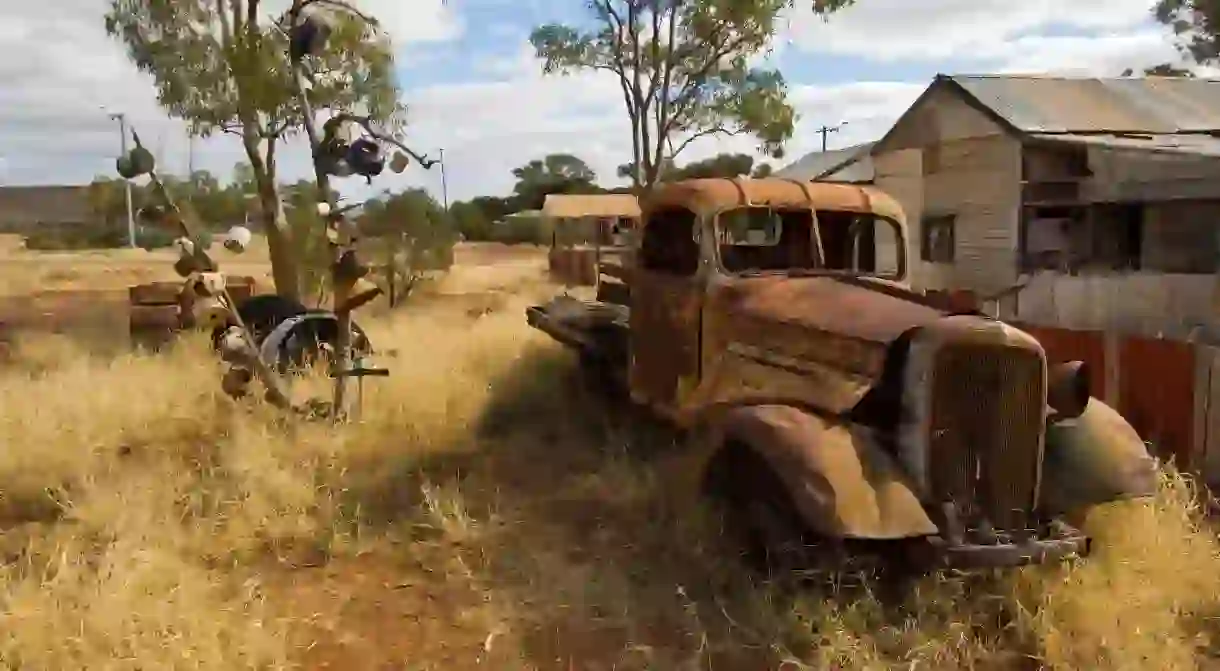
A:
(1081, 238)
(939, 240)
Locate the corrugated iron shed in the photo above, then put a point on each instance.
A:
(1194, 145)
(1047, 104)
(593, 205)
(850, 164)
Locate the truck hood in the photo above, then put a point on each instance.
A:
(820, 341)
(859, 309)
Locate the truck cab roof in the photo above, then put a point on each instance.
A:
(709, 196)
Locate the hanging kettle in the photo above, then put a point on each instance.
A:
(308, 37)
(138, 161)
(365, 157)
(399, 162)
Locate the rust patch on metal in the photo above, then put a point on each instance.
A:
(709, 196)
(844, 483)
(664, 336)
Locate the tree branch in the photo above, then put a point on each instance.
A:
(616, 26)
(687, 93)
(717, 130)
(667, 74)
(367, 124)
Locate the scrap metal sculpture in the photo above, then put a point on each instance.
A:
(255, 352)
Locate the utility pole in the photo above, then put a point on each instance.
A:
(444, 181)
(131, 219)
(826, 130)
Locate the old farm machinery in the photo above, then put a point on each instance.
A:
(265, 337)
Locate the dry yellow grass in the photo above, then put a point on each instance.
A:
(23, 272)
(485, 514)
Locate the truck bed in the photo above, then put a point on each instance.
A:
(596, 329)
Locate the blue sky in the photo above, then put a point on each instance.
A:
(475, 90)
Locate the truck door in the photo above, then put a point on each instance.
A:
(666, 306)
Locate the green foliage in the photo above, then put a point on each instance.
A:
(74, 238)
(475, 220)
(525, 228)
(308, 236)
(685, 70)
(470, 221)
(220, 64)
(487, 218)
(223, 66)
(555, 173)
(1195, 25)
(720, 165)
(414, 236)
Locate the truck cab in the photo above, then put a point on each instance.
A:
(708, 243)
(774, 317)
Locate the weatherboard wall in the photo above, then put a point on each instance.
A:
(945, 157)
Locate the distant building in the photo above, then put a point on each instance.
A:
(26, 208)
(1099, 194)
(852, 165)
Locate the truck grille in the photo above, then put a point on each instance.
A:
(986, 430)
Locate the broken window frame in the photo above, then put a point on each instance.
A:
(929, 252)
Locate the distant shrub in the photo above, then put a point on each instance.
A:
(74, 238)
(521, 230)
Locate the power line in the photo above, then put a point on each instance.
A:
(827, 130)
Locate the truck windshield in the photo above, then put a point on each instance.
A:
(760, 239)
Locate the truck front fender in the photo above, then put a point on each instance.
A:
(1093, 459)
(841, 481)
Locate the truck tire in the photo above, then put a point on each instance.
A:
(757, 514)
(597, 378)
(761, 518)
(263, 313)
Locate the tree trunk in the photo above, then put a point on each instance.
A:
(285, 266)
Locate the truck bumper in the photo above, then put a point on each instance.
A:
(1068, 545)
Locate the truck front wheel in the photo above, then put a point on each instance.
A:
(755, 510)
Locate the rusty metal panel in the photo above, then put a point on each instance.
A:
(985, 431)
(665, 342)
(1038, 104)
(155, 317)
(709, 196)
(1157, 395)
(1070, 345)
(573, 267)
(155, 293)
(241, 287)
(955, 300)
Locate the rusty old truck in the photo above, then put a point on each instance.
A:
(831, 407)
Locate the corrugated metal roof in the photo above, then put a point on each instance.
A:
(1044, 104)
(1195, 145)
(849, 164)
(593, 205)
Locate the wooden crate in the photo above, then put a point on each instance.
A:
(156, 309)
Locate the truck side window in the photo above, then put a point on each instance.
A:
(669, 244)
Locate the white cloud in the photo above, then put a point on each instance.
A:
(900, 30)
(1105, 55)
(58, 68)
(60, 75)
